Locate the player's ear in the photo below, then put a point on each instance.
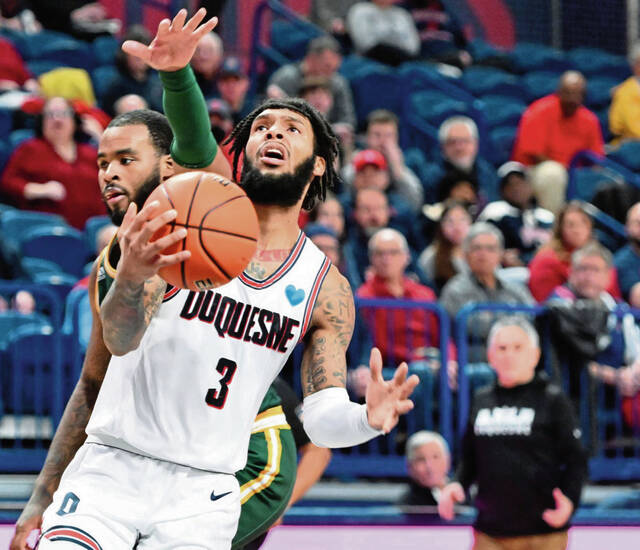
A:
(319, 166)
(167, 167)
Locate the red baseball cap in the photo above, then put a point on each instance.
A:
(367, 157)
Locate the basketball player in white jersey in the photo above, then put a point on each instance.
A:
(173, 416)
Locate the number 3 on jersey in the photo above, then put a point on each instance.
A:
(217, 398)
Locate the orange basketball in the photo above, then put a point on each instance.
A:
(222, 229)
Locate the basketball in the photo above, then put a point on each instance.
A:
(222, 229)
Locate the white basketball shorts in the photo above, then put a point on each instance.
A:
(109, 499)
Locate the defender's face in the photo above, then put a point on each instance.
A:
(279, 141)
(126, 160)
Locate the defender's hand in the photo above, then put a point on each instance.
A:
(174, 43)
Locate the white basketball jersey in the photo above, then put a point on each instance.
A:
(190, 392)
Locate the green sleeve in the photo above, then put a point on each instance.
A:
(193, 144)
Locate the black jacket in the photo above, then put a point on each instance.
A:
(520, 444)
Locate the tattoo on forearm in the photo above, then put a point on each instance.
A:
(127, 310)
(339, 310)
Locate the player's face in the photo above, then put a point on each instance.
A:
(128, 168)
(430, 465)
(279, 158)
(513, 356)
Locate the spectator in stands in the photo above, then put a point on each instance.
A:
(412, 333)
(129, 102)
(522, 448)
(371, 171)
(458, 138)
(233, 85)
(330, 214)
(383, 135)
(627, 259)
(443, 259)
(331, 15)
(83, 19)
(549, 267)
(624, 113)
(524, 226)
(220, 117)
(383, 31)
(206, 62)
(483, 248)
(441, 36)
(14, 74)
(54, 172)
(133, 76)
(326, 240)
(323, 59)
(428, 464)
(551, 131)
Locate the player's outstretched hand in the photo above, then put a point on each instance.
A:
(174, 43)
(141, 258)
(558, 516)
(30, 520)
(452, 493)
(386, 401)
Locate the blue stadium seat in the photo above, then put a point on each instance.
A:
(599, 63)
(104, 50)
(291, 39)
(540, 83)
(527, 57)
(62, 245)
(502, 110)
(5, 153)
(6, 122)
(40, 66)
(481, 81)
(15, 224)
(36, 266)
(434, 107)
(11, 320)
(18, 136)
(91, 228)
(59, 283)
(588, 181)
(628, 154)
(46, 41)
(354, 65)
(599, 92)
(377, 89)
(502, 140)
(101, 78)
(480, 375)
(69, 53)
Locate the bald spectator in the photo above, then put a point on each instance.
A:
(129, 102)
(322, 59)
(206, 61)
(624, 113)
(428, 463)
(627, 259)
(383, 135)
(551, 131)
(459, 142)
(383, 31)
(483, 248)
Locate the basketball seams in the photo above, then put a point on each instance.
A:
(193, 198)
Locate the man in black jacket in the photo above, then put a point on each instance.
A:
(522, 448)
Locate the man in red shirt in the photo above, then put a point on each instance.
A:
(400, 334)
(551, 131)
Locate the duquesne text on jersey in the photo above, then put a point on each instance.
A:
(238, 320)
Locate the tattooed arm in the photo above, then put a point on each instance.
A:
(70, 434)
(329, 418)
(137, 291)
(324, 363)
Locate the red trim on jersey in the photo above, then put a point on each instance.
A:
(315, 290)
(72, 534)
(171, 293)
(278, 273)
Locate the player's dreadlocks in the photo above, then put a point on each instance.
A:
(325, 144)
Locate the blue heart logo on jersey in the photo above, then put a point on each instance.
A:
(294, 295)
